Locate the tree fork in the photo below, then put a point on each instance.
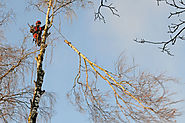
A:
(40, 73)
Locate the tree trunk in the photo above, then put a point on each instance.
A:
(40, 73)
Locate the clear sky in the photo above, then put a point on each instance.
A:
(103, 43)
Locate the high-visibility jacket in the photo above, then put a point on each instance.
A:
(38, 31)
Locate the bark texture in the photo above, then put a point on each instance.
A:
(40, 73)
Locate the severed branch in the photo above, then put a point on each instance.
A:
(132, 98)
(99, 14)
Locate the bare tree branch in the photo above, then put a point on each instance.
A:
(18, 63)
(99, 14)
(175, 29)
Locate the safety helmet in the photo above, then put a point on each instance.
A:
(38, 22)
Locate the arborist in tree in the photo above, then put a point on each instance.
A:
(37, 32)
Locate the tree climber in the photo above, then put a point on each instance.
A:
(37, 32)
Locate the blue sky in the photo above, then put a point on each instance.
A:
(103, 43)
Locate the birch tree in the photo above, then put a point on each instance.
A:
(15, 64)
(120, 96)
(123, 97)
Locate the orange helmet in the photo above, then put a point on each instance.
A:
(38, 22)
